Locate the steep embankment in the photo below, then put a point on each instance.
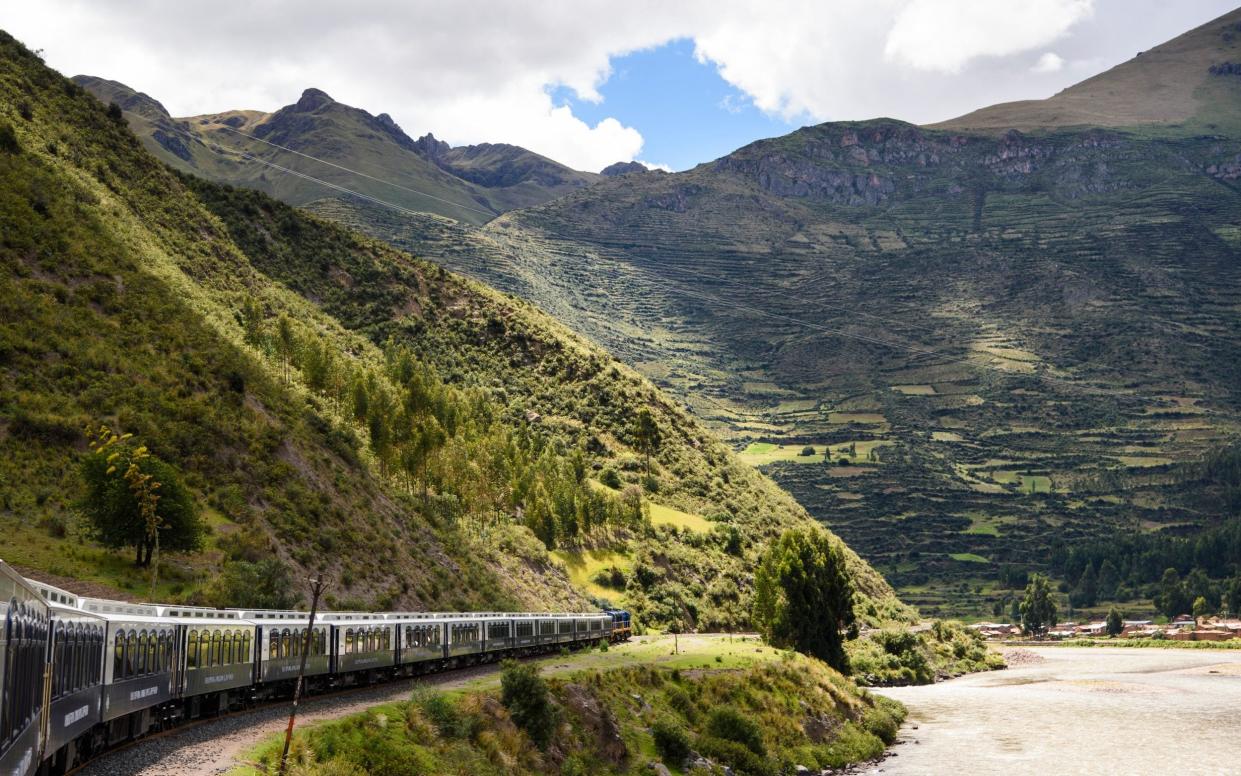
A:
(332, 400)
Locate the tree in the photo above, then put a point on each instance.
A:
(133, 499)
(1086, 593)
(1234, 596)
(647, 433)
(1201, 608)
(803, 596)
(1109, 580)
(524, 693)
(1172, 598)
(262, 584)
(286, 341)
(1038, 609)
(807, 451)
(1115, 622)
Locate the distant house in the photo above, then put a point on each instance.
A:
(1093, 629)
(1184, 621)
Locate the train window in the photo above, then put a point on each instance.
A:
(118, 661)
(387, 638)
(273, 644)
(191, 650)
(286, 643)
(152, 654)
(230, 649)
(349, 641)
(216, 645)
(59, 666)
(131, 654)
(164, 662)
(140, 659)
(525, 629)
(243, 654)
(565, 626)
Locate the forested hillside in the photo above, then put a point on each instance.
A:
(332, 403)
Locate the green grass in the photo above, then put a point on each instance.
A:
(583, 565)
(968, 557)
(662, 515)
(766, 453)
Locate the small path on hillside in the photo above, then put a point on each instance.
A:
(215, 746)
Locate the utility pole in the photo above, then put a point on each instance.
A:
(316, 589)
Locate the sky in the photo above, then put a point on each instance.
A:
(592, 82)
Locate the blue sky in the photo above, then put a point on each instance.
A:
(686, 112)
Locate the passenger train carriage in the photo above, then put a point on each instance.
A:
(79, 675)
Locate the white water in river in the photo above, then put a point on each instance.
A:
(1079, 711)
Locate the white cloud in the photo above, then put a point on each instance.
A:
(481, 70)
(945, 35)
(654, 166)
(1050, 62)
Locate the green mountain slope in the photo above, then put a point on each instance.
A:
(1187, 85)
(469, 183)
(1012, 341)
(331, 402)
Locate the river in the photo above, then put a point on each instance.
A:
(1078, 711)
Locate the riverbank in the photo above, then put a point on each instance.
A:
(1076, 711)
(722, 700)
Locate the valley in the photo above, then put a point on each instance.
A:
(1011, 340)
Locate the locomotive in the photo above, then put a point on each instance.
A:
(81, 675)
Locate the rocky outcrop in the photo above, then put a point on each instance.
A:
(622, 168)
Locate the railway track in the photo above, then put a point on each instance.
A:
(213, 745)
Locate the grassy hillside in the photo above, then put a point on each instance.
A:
(471, 184)
(737, 705)
(331, 402)
(1180, 87)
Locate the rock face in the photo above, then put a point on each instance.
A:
(312, 100)
(622, 168)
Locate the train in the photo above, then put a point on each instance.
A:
(82, 675)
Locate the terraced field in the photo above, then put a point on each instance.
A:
(1021, 338)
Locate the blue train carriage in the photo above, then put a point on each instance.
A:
(23, 675)
(76, 662)
(621, 626)
(363, 646)
(138, 667)
(280, 638)
(213, 666)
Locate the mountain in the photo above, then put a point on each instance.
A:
(333, 404)
(469, 183)
(1187, 85)
(1011, 342)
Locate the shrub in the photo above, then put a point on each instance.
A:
(443, 713)
(670, 741)
(609, 476)
(8, 140)
(807, 451)
(524, 693)
(731, 725)
(735, 755)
